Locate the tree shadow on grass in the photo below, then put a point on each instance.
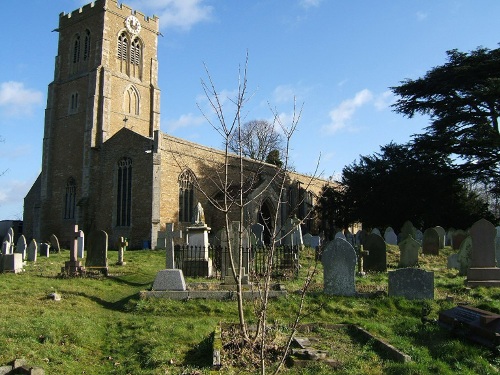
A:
(201, 355)
(123, 304)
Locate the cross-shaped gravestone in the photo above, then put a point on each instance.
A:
(170, 236)
(122, 246)
(361, 255)
(73, 256)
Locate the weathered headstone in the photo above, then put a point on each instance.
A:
(170, 279)
(73, 267)
(21, 246)
(307, 239)
(97, 252)
(452, 262)
(449, 237)
(340, 235)
(464, 256)
(236, 246)
(361, 236)
(54, 243)
(44, 249)
(411, 283)
(80, 244)
(390, 236)
(430, 244)
(32, 251)
(258, 231)
(482, 269)
(377, 259)
(409, 249)
(457, 237)
(292, 233)
(12, 262)
(442, 236)
(419, 236)
(6, 247)
(376, 231)
(339, 266)
(407, 230)
(315, 242)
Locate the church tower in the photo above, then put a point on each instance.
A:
(105, 90)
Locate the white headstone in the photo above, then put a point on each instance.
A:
(32, 251)
(21, 246)
(80, 245)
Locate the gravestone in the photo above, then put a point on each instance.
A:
(122, 246)
(44, 249)
(73, 267)
(226, 268)
(97, 252)
(377, 259)
(170, 236)
(21, 246)
(452, 262)
(258, 231)
(464, 256)
(80, 244)
(409, 249)
(419, 236)
(390, 236)
(477, 325)
(430, 243)
(361, 236)
(307, 239)
(457, 237)
(54, 243)
(32, 251)
(170, 279)
(292, 233)
(411, 283)
(339, 266)
(497, 246)
(11, 237)
(376, 231)
(442, 236)
(449, 237)
(6, 247)
(12, 263)
(482, 268)
(340, 235)
(315, 242)
(197, 262)
(407, 230)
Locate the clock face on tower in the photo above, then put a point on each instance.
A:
(133, 25)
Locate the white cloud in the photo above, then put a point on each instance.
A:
(185, 121)
(17, 99)
(384, 100)
(12, 194)
(177, 14)
(310, 3)
(284, 94)
(341, 115)
(421, 16)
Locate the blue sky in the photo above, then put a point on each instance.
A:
(336, 58)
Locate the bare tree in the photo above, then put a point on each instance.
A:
(235, 136)
(256, 139)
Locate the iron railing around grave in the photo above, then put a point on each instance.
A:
(193, 261)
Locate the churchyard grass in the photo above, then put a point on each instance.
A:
(101, 326)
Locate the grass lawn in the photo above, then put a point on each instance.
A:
(101, 326)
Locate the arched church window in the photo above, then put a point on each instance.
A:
(70, 199)
(132, 103)
(124, 193)
(186, 195)
(76, 49)
(136, 58)
(86, 46)
(122, 52)
(73, 104)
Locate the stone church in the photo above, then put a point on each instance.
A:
(107, 166)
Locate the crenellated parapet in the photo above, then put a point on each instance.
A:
(113, 6)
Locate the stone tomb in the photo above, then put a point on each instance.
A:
(474, 324)
(482, 269)
(339, 265)
(411, 283)
(197, 262)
